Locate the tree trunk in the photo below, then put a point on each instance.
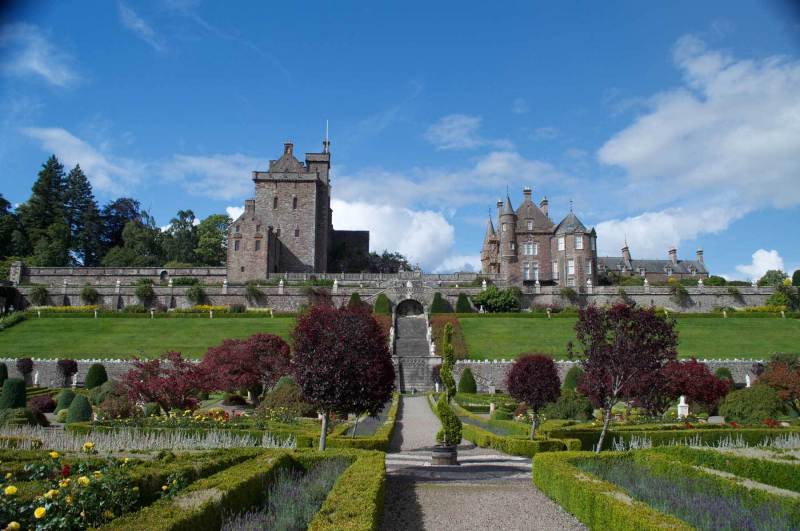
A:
(533, 425)
(323, 432)
(606, 422)
(355, 427)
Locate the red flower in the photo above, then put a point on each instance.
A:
(65, 471)
(689, 425)
(734, 425)
(771, 423)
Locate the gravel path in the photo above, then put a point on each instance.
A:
(488, 490)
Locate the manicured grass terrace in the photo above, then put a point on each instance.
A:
(54, 337)
(700, 337)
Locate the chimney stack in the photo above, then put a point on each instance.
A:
(626, 256)
(544, 206)
(287, 148)
(673, 255)
(499, 208)
(326, 146)
(250, 206)
(527, 192)
(700, 255)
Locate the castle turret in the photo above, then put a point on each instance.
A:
(626, 256)
(508, 242)
(489, 259)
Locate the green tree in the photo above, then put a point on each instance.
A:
(462, 304)
(212, 239)
(773, 277)
(114, 217)
(52, 247)
(715, 280)
(497, 300)
(466, 384)
(141, 245)
(796, 278)
(440, 304)
(83, 217)
(46, 203)
(12, 240)
(180, 239)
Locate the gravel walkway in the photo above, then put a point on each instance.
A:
(488, 490)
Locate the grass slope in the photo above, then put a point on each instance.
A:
(498, 338)
(121, 338)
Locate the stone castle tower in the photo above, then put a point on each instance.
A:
(528, 246)
(288, 227)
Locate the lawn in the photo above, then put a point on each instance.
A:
(120, 338)
(499, 338)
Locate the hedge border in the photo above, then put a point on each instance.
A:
(597, 504)
(379, 440)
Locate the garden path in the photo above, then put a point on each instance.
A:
(488, 490)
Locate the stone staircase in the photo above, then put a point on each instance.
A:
(412, 354)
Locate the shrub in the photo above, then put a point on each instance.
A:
(253, 294)
(25, 416)
(715, 280)
(450, 433)
(145, 294)
(383, 305)
(96, 376)
(39, 295)
(462, 304)
(569, 294)
(288, 396)
(572, 378)
(752, 405)
(42, 404)
(89, 295)
(440, 304)
(355, 301)
(570, 405)
(734, 292)
(25, 366)
(14, 394)
(533, 379)
(773, 277)
(724, 373)
(237, 308)
(134, 308)
(67, 368)
(185, 281)
(3, 373)
(234, 399)
(466, 384)
(196, 294)
(80, 410)
(679, 294)
(117, 406)
(65, 398)
(103, 391)
(495, 300)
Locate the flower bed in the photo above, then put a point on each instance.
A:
(651, 489)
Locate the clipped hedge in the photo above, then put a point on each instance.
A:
(383, 305)
(80, 410)
(96, 376)
(516, 445)
(466, 384)
(356, 500)
(377, 441)
(13, 394)
(596, 503)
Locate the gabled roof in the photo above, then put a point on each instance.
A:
(612, 263)
(286, 164)
(529, 210)
(569, 224)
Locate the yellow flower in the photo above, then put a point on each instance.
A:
(68, 499)
(83, 481)
(54, 454)
(125, 461)
(164, 488)
(88, 446)
(135, 489)
(108, 515)
(39, 513)
(50, 493)
(10, 490)
(8, 475)
(63, 483)
(97, 474)
(13, 526)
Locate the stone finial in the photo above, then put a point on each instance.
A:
(683, 408)
(673, 255)
(483, 285)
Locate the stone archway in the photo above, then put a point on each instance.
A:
(410, 307)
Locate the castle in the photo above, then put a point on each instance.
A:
(528, 247)
(288, 226)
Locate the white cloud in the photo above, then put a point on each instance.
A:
(762, 262)
(460, 132)
(651, 234)
(28, 52)
(455, 263)
(234, 211)
(215, 176)
(545, 133)
(423, 236)
(105, 175)
(721, 146)
(520, 106)
(131, 20)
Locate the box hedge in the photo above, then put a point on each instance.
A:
(96, 376)
(13, 394)
(80, 410)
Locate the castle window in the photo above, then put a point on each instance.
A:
(668, 271)
(578, 242)
(258, 228)
(555, 270)
(530, 224)
(526, 271)
(512, 245)
(294, 203)
(588, 267)
(641, 272)
(535, 249)
(237, 228)
(593, 243)
(258, 245)
(278, 232)
(242, 269)
(561, 243)
(570, 281)
(527, 249)
(536, 271)
(236, 245)
(275, 202)
(296, 233)
(570, 266)
(504, 227)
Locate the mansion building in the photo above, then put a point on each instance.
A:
(288, 226)
(527, 246)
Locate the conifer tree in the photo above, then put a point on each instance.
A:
(46, 204)
(114, 216)
(83, 216)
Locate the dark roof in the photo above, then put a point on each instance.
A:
(529, 210)
(612, 263)
(571, 223)
(490, 233)
(507, 208)
(286, 164)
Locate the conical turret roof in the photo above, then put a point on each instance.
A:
(507, 208)
(571, 223)
(490, 233)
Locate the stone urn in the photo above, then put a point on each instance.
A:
(444, 455)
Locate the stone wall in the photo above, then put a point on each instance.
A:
(108, 276)
(492, 374)
(48, 370)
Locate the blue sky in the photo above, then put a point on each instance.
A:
(675, 123)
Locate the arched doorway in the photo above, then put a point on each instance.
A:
(410, 307)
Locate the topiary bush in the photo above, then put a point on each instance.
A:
(752, 405)
(99, 393)
(572, 378)
(25, 366)
(39, 295)
(65, 398)
(80, 410)
(355, 301)
(96, 376)
(89, 295)
(196, 294)
(3, 373)
(440, 304)
(466, 384)
(383, 305)
(14, 394)
(462, 304)
(450, 433)
(145, 293)
(571, 405)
